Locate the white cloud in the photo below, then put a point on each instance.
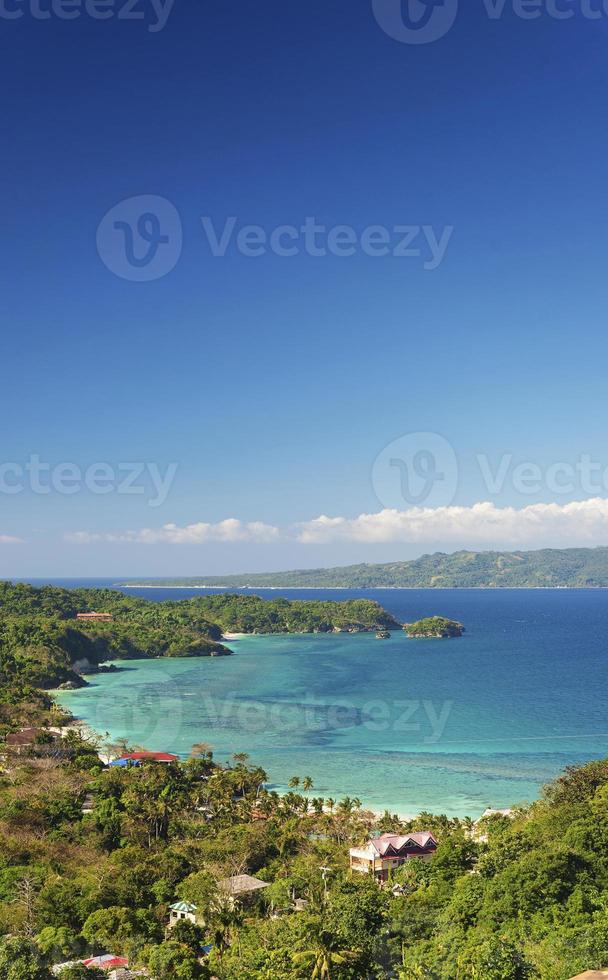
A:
(580, 522)
(483, 524)
(7, 539)
(228, 530)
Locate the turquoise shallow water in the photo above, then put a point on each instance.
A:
(450, 726)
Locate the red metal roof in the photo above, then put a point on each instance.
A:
(152, 756)
(106, 962)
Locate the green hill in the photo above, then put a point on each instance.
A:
(43, 644)
(572, 568)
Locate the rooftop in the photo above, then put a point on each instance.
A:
(242, 885)
(137, 757)
(183, 907)
(388, 843)
(29, 735)
(107, 961)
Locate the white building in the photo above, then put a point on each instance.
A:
(384, 854)
(182, 911)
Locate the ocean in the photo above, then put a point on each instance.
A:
(407, 725)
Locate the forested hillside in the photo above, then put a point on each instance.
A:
(92, 857)
(43, 644)
(551, 568)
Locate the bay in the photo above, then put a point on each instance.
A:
(409, 725)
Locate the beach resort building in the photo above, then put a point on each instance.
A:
(384, 854)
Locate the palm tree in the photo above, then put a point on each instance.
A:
(323, 955)
(468, 825)
(227, 917)
(307, 784)
(317, 805)
(294, 782)
(345, 806)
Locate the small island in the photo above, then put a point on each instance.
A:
(434, 627)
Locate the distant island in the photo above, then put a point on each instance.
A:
(566, 568)
(434, 627)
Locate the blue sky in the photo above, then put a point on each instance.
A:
(273, 383)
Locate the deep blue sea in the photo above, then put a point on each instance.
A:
(447, 726)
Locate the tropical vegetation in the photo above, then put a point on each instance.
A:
(574, 568)
(92, 857)
(44, 645)
(437, 627)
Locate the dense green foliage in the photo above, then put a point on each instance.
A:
(43, 645)
(521, 898)
(434, 626)
(511, 899)
(250, 614)
(550, 568)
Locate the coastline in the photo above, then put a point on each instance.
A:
(375, 588)
(155, 739)
(260, 700)
(83, 727)
(87, 731)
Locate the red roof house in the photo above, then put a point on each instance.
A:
(107, 962)
(386, 853)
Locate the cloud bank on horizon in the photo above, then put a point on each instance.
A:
(575, 523)
(228, 530)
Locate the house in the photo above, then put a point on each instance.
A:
(107, 961)
(388, 852)
(117, 967)
(137, 758)
(26, 738)
(182, 911)
(509, 812)
(95, 617)
(242, 888)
